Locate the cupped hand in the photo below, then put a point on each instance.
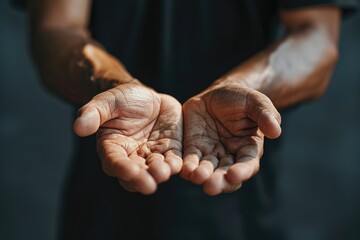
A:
(224, 130)
(139, 135)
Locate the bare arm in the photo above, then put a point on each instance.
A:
(139, 131)
(71, 64)
(298, 67)
(225, 125)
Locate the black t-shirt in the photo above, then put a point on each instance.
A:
(181, 46)
(178, 47)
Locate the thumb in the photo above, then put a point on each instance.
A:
(92, 116)
(263, 112)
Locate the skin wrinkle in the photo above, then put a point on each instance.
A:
(212, 139)
(223, 139)
(160, 125)
(134, 105)
(230, 132)
(141, 127)
(115, 102)
(206, 142)
(142, 148)
(247, 107)
(155, 134)
(130, 148)
(168, 143)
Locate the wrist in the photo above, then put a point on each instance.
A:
(254, 73)
(104, 70)
(226, 81)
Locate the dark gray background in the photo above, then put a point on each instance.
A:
(320, 180)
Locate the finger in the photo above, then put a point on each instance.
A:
(87, 122)
(125, 103)
(247, 161)
(115, 161)
(128, 186)
(264, 113)
(243, 171)
(205, 169)
(217, 183)
(226, 161)
(120, 167)
(144, 183)
(139, 160)
(192, 157)
(92, 115)
(173, 158)
(158, 169)
(269, 124)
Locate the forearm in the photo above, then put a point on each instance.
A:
(61, 64)
(70, 63)
(296, 68)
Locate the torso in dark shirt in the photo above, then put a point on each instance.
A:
(178, 47)
(181, 46)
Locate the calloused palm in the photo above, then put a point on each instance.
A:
(224, 130)
(139, 135)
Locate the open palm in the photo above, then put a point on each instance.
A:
(224, 130)
(139, 135)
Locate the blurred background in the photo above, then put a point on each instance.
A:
(320, 180)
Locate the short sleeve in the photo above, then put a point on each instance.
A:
(348, 7)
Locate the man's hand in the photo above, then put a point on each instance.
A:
(139, 135)
(224, 130)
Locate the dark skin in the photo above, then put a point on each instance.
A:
(141, 134)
